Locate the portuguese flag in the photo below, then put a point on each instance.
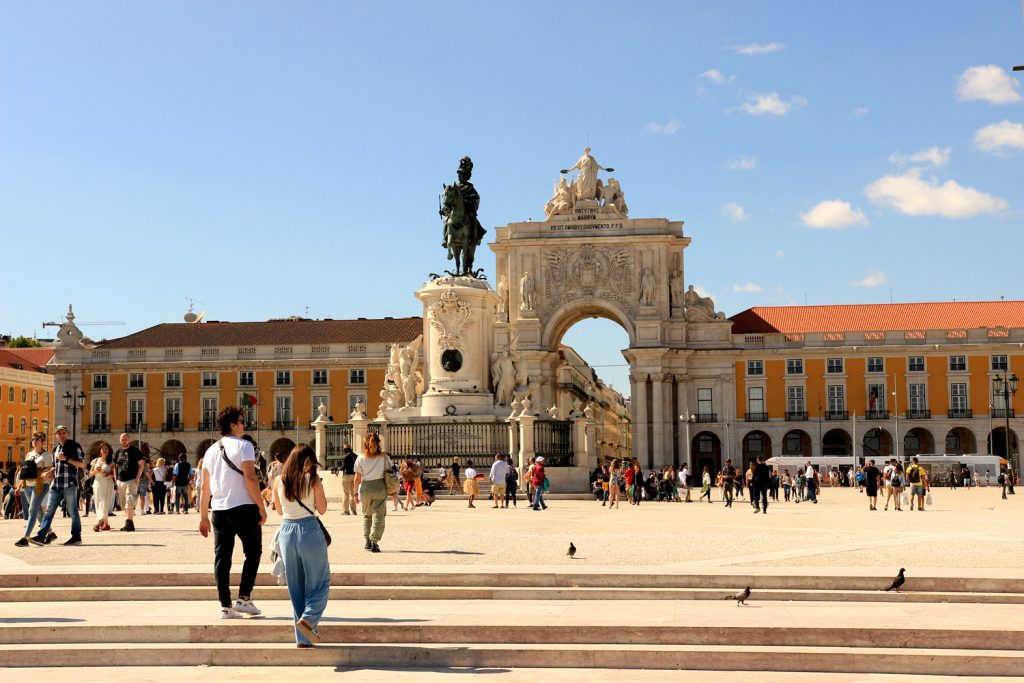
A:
(248, 400)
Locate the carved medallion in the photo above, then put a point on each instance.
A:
(449, 316)
(588, 272)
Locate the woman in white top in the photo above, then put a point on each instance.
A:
(103, 487)
(159, 486)
(371, 492)
(299, 491)
(37, 487)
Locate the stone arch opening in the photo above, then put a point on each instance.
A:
(283, 445)
(94, 448)
(836, 442)
(878, 444)
(997, 442)
(707, 452)
(171, 449)
(960, 440)
(142, 446)
(917, 441)
(756, 443)
(204, 446)
(797, 442)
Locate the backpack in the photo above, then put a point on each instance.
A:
(914, 475)
(29, 470)
(1001, 479)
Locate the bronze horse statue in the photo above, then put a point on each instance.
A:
(460, 238)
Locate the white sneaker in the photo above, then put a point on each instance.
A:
(246, 607)
(229, 613)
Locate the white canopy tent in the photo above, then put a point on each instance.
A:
(828, 461)
(971, 459)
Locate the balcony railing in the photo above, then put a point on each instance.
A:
(99, 428)
(207, 426)
(876, 415)
(756, 417)
(919, 414)
(796, 415)
(172, 426)
(959, 414)
(707, 417)
(837, 415)
(283, 425)
(1002, 412)
(136, 427)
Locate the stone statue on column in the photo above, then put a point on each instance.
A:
(407, 357)
(585, 185)
(502, 291)
(527, 292)
(675, 291)
(647, 288)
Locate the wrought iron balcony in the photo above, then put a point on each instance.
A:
(283, 425)
(172, 426)
(707, 417)
(756, 417)
(959, 414)
(99, 428)
(1002, 412)
(136, 427)
(876, 415)
(208, 426)
(919, 414)
(796, 415)
(837, 415)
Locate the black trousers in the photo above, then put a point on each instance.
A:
(159, 496)
(242, 521)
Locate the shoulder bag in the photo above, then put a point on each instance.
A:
(327, 536)
(390, 478)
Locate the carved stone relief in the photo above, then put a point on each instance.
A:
(449, 316)
(588, 272)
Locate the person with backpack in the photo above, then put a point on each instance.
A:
(1001, 480)
(34, 479)
(917, 477)
(897, 481)
(180, 476)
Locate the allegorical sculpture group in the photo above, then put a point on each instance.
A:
(587, 189)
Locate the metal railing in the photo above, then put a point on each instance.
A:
(172, 426)
(876, 415)
(283, 425)
(796, 415)
(99, 428)
(136, 427)
(707, 417)
(959, 413)
(552, 439)
(208, 426)
(1002, 412)
(837, 415)
(435, 445)
(919, 414)
(756, 417)
(337, 436)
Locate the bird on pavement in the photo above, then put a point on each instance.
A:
(740, 598)
(572, 550)
(898, 581)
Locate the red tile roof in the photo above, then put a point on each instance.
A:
(38, 355)
(14, 358)
(938, 315)
(272, 333)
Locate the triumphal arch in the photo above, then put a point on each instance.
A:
(589, 258)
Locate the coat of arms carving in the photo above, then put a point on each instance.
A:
(449, 316)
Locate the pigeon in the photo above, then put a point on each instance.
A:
(740, 598)
(572, 550)
(898, 581)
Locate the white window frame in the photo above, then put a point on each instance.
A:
(999, 365)
(795, 399)
(880, 362)
(285, 375)
(323, 375)
(244, 375)
(958, 397)
(962, 360)
(755, 400)
(911, 363)
(755, 368)
(834, 366)
(172, 380)
(357, 376)
(133, 376)
(836, 394)
(99, 381)
(210, 380)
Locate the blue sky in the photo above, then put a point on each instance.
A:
(263, 158)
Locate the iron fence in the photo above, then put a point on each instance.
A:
(553, 440)
(337, 436)
(434, 445)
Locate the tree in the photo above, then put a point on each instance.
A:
(23, 342)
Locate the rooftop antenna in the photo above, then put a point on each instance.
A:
(191, 317)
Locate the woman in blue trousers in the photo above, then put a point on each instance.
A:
(298, 492)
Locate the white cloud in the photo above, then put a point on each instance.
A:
(758, 48)
(860, 112)
(716, 76)
(748, 287)
(771, 104)
(873, 278)
(742, 164)
(933, 155)
(780, 253)
(670, 127)
(735, 212)
(1000, 138)
(833, 214)
(989, 83)
(911, 195)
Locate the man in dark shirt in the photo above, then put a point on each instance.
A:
(68, 458)
(759, 484)
(728, 480)
(348, 478)
(871, 478)
(129, 464)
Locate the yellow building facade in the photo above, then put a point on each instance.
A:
(26, 401)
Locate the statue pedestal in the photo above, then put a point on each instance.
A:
(458, 339)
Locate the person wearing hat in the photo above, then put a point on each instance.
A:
(68, 458)
(538, 484)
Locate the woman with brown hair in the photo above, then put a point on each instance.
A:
(614, 482)
(103, 487)
(371, 492)
(297, 493)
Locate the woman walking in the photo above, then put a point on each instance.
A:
(298, 492)
(372, 493)
(897, 481)
(511, 484)
(159, 486)
(614, 484)
(705, 485)
(34, 481)
(103, 486)
(538, 484)
(638, 483)
(408, 470)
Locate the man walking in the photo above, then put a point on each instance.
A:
(181, 475)
(871, 479)
(728, 479)
(759, 480)
(67, 459)
(812, 482)
(348, 478)
(918, 479)
(231, 491)
(497, 476)
(129, 464)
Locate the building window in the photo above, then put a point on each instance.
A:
(10, 424)
(952, 441)
(876, 364)
(98, 382)
(357, 376)
(319, 377)
(998, 400)
(958, 395)
(136, 380)
(918, 402)
(320, 401)
(957, 363)
(705, 405)
(246, 378)
(283, 411)
(209, 379)
(24, 426)
(999, 363)
(24, 395)
(705, 444)
(795, 366)
(136, 411)
(173, 421)
(755, 367)
(99, 414)
(834, 366)
(353, 399)
(876, 398)
(209, 414)
(10, 394)
(35, 397)
(283, 378)
(836, 399)
(46, 399)
(755, 443)
(915, 364)
(755, 400)
(250, 413)
(795, 399)
(10, 453)
(173, 380)
(793, 444)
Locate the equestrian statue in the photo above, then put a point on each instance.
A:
(462, 230)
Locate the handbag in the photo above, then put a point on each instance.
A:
(327, 536)
(390, 478)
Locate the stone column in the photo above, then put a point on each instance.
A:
(525, 438)
(590, 437)
(657, 459)
(642, 450)
(684, 415)
(513, 444)
(359, 431)
(581, 455)
(320, 426)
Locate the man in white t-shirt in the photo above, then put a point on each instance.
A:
(684, 482)
(497, 476)
(231, 491)
(887, 481)
(812, 482)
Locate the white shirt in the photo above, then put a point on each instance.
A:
(470, 473)
(809, 472)
(44, 461)
(227, 487)
(498, 471)
(684, 476)
(290, 509)
(371, 468)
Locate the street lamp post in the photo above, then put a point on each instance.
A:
(687, 420)
(1007, 387)
(73, 400)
